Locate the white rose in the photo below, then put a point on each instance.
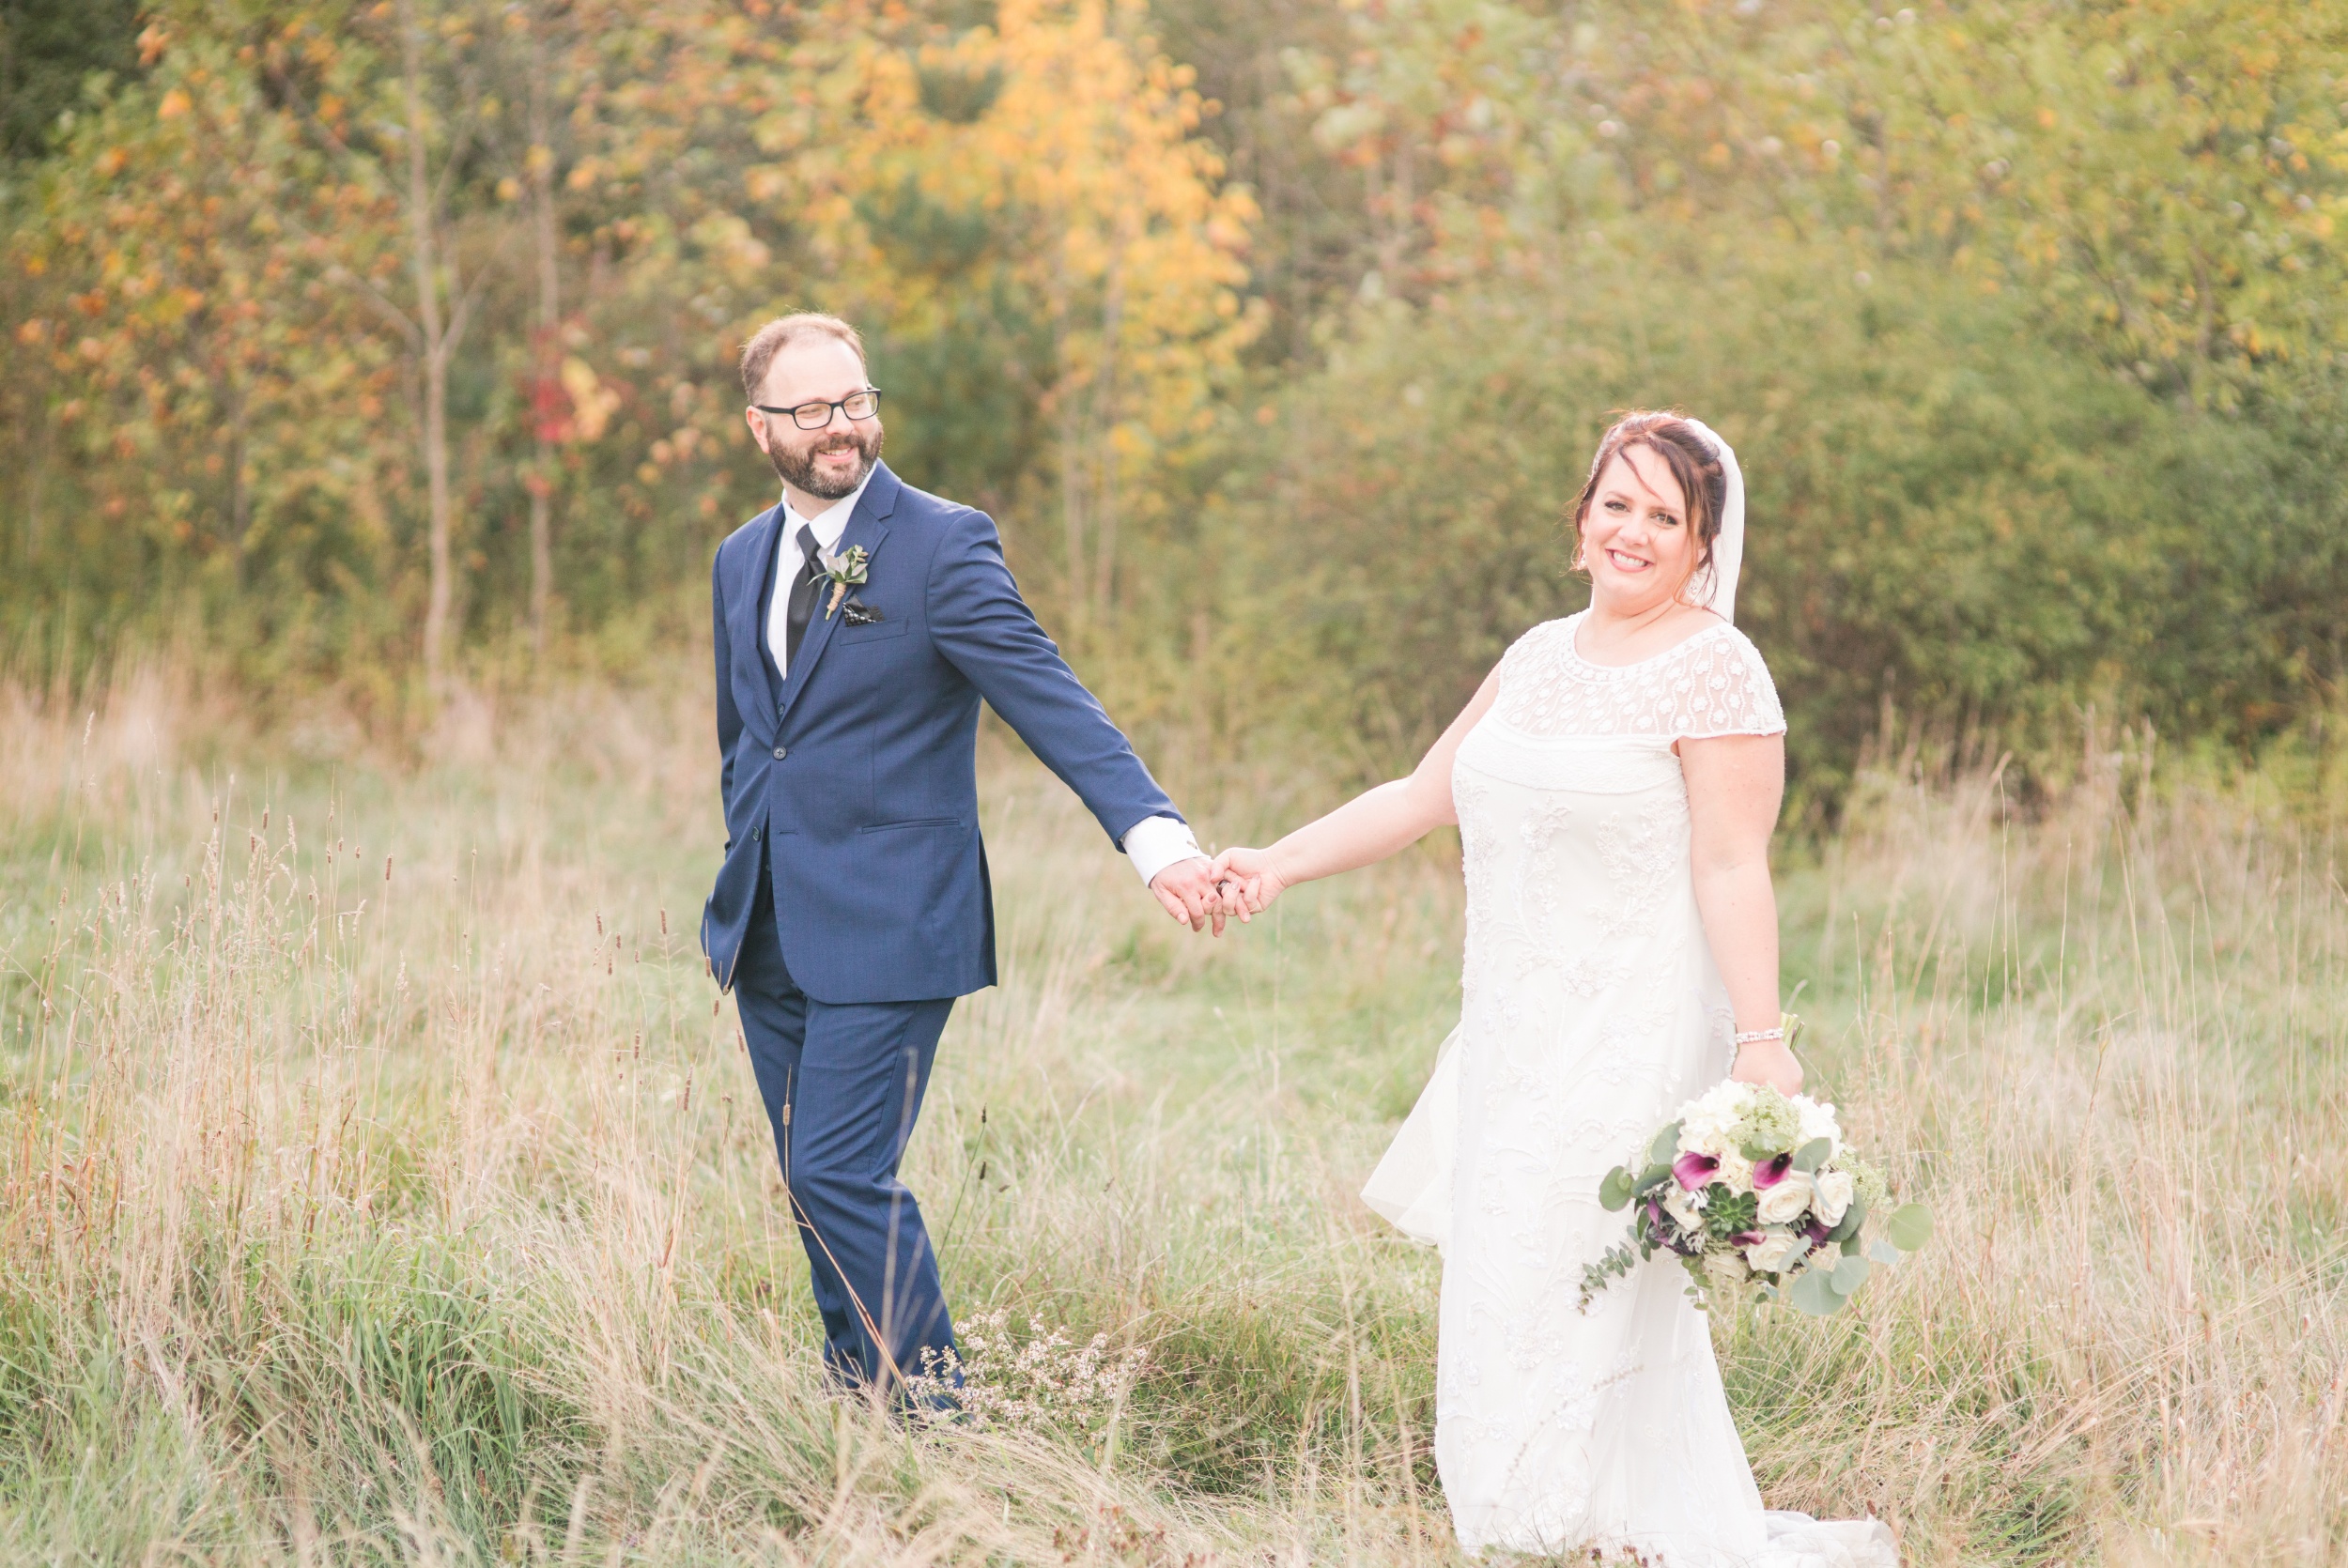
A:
(1775, 1253)
(1683, 1206)
(1782, 1204)
(1727, 1270)
(1835, 1189)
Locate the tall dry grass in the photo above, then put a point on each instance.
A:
(383, 1182)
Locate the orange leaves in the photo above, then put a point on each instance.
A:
(592, 403)
(175, 103)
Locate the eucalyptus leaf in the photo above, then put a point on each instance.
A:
(1910, 1226)
(1883, 1251)
(1853, 1217)
(1666, 1146)
(1614, 1194)
(1813, 1291)
(1812, 1153)
(1850, 1275)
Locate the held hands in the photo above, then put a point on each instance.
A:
(1202, 893)
(1245, 882)
(1187, 889)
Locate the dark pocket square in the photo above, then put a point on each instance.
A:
(858, 614)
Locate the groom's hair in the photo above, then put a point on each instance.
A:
(1693, 462)
(779, 334)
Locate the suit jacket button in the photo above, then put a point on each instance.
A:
(777, 754)
(754, 833)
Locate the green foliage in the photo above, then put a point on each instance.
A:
(2023, 319)
(2024, 316)
(1909, 1227)
(1665, 1146)
(48, 49)
(1812, 1292)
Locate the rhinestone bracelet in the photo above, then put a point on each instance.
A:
(1788, 1025)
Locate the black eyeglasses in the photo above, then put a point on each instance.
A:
(814, 416)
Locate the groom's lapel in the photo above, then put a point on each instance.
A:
(747, 629)
(868, 525)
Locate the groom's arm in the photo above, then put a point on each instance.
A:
(982, 626)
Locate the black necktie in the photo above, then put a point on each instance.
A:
(802, 602)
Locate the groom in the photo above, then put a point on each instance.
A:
(858, 623)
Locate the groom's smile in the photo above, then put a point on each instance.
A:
(817, 419)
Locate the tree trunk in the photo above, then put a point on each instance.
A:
(549, 318)
(423, 237)
(1072, 459)
(1105, 407)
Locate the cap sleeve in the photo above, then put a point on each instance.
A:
(1726, 691)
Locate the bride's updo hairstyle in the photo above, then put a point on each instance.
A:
(1693, 463)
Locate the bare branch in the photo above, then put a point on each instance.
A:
(460, 313)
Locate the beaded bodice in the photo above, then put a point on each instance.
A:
(1713, 683)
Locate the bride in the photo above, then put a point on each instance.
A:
(1614, 781)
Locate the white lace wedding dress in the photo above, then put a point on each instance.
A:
(1591, 1010)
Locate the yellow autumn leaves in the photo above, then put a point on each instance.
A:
(311, 266)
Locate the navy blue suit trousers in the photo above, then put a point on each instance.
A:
(843, 1084)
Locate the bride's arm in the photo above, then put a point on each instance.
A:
(1370, 827)
(1736, 784)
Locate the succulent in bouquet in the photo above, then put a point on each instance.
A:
(1758, 1197)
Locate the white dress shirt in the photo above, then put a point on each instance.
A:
(1151, 844)
(790, 561)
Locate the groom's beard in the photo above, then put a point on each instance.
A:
(799, 469)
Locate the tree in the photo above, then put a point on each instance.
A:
(1057, 151)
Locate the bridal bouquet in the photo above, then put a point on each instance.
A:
(1757, 1196)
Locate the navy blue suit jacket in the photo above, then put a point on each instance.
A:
(853, 782)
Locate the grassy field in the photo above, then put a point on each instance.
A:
(383, 1182)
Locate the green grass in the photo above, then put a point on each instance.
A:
(433, 1218)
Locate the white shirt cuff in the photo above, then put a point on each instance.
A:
(1154, 843)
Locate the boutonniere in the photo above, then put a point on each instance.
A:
(842, 571)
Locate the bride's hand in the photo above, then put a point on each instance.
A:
(1770, 1063)
(1246, 881)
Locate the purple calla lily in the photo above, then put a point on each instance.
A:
(1694, 1170)
(1748, 1238)
(1769, 1171)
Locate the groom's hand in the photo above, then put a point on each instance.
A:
(1186, 888)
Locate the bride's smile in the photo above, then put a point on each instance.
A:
(1635, 541)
